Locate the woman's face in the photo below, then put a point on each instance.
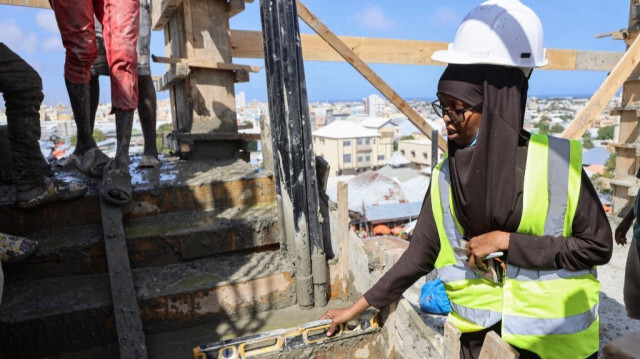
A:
(460, 133)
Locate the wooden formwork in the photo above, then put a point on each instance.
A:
(200, 75)
(625, 185)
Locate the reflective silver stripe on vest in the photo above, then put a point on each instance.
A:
(482, 317)
(558, 180)
(450, 228)
(524, 274)
(455, 272)
(519, 325)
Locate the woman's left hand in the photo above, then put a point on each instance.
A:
(483, 245)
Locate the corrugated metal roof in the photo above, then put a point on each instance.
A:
(401, 174)
(371, 188)
(416, 188)
(344, 129)
(392, 212)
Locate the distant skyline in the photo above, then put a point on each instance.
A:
(569, 24)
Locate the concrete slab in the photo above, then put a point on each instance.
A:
(175, 186)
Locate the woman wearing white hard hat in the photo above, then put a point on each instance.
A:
(502, 189)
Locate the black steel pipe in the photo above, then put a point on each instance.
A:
(294, 161)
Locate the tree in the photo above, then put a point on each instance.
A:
(587, 143)
(556, 128)
(610, 165)
(166, 128)
(543, 127)
(545, 118)
(605, 133)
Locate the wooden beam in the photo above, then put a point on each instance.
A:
(43, 4)
(451, 345)
(248, 44)
(343, 238)
(180, 72)
(355, 61)
(494, 347)
(205, 64)
(126, 311)
(162, 11)
(603, 95)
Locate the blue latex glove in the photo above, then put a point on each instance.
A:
(433, 298)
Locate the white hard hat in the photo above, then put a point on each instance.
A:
(499, 32)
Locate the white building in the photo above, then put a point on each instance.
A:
(374, 105)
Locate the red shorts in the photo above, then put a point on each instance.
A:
(120, 20)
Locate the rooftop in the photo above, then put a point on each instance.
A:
(344, 129)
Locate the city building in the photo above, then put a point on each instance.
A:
(418, 152)
(350, 148)
(374, 105)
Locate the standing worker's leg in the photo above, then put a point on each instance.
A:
(75, 20)
(147, 92)
(98, 68)
(121, 26)
(21, 87)
(632, 280)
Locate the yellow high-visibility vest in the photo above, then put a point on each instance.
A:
(553, 313)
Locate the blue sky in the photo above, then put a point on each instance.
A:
(569, 24)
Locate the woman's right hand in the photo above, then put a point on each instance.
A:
(341, 316)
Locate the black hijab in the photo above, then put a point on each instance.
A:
(486, 179)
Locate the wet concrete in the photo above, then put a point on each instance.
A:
(175, 185)
(180, 343)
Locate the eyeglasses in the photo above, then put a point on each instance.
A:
(455, 114)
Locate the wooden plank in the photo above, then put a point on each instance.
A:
(205, 64)
(367, 72)
(212, 98)
(343, 238)
(180, 72)
(494, 347)
(162, 11)
(188, 29)
(241, 76)
(43, 4)
(248, 44)
(451, 345)
(125, 301)
(600, 99)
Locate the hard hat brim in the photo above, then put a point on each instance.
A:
(462, 58)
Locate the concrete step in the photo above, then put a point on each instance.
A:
(43, 317)
(175, 186)
(153, 241)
